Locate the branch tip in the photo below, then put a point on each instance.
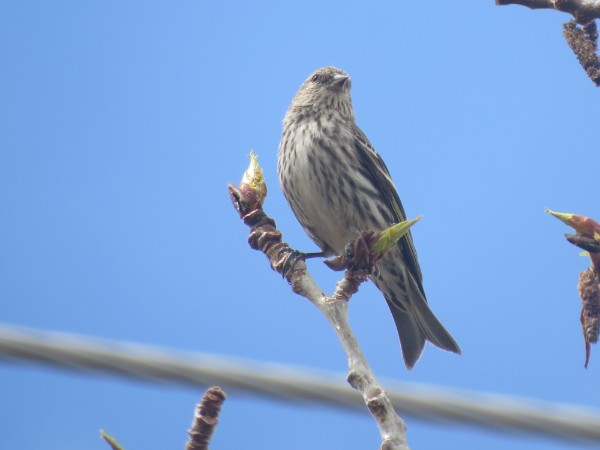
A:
(206, 418)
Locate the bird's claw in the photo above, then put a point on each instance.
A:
(291, 259)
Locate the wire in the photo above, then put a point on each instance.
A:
(285, 383)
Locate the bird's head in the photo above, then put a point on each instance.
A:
(328, 87)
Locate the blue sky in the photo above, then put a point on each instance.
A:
(123, 122)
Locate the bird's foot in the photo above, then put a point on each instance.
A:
(294, 256)
(356, 256)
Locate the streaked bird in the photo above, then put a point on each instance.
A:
(337, 184)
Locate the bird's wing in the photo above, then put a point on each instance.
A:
(381, 176)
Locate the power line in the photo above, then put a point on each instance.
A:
(73, 352)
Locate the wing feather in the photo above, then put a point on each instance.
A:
(381, 175)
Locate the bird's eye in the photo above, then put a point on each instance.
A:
(315, 78)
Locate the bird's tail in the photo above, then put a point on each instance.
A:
(415, 322)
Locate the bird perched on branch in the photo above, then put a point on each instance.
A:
(337, 184)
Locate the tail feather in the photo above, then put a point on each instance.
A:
(412, 340)
(415, 322)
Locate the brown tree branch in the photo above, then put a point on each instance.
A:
(359, 259)
(583, 11)
(206, 418)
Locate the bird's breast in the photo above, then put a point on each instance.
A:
(318, 176)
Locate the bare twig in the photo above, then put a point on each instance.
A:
(584, 11)
(205, 419)
(264, 236)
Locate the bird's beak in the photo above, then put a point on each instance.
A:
(340, 81)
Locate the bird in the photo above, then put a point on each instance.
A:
(337, 185)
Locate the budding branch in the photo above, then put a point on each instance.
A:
(247, 199)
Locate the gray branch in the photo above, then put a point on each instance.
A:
(360, 375)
